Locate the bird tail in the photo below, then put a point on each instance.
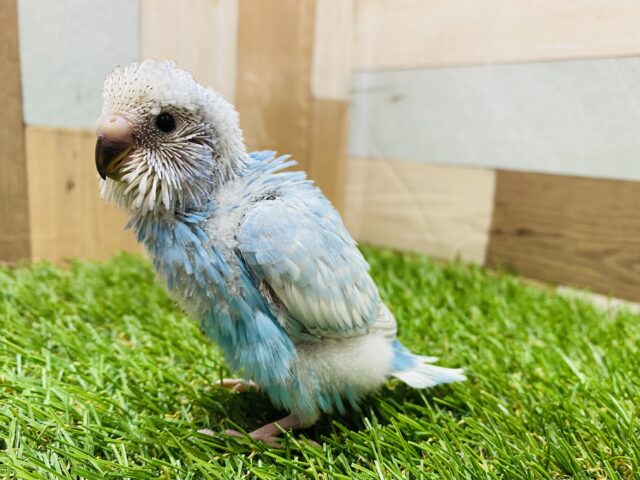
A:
(417, 371)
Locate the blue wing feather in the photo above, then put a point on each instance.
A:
(299, 246)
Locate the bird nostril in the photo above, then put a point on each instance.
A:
(115, 128)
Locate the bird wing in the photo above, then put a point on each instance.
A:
(301, 249)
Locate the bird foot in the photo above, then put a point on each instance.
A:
(238, 385)
(265, 438)
(269, 433)
(270, 440)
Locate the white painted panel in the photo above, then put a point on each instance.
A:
(67, 47)
(333, 37)
(576, 118)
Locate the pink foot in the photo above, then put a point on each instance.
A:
(269, 433)
(270, 440)
(238, 385)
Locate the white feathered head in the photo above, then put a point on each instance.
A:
(164, 141)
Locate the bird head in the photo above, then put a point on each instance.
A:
(164, 141)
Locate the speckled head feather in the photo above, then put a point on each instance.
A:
(176, 170)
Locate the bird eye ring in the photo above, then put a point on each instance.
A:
(165, 122)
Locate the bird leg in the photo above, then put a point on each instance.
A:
(268, 434)
(238, 385)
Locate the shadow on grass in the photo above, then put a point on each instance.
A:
(250, 410)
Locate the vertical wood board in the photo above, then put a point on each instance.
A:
(275, 42)
(14, 205)
(201, 39)
(332, 45)
(328, 149)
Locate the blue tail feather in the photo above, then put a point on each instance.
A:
(416, 371)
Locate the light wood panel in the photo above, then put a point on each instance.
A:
(611, 305)
(328, 148)
(200, 37)
(275, 41)
(332, 45)
(68, 217)
(576, 231)
(67, 49)
(395, 34)
(14, 205)
(574, 118)
(442, 211)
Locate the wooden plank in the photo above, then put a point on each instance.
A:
(66, 50)
(68, 217)
(540, 117)
(275, 40)
(14, 202)
(200, 38)
(394, 34)
(333, 39)
(328, 148)
(442, 211)
(330, 85)
(611, 305)
(576, 231)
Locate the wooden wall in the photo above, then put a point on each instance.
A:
(66, 50)
(15, 242)
(282, 62)
(509, 139)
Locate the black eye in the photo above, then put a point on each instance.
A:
(165, 122)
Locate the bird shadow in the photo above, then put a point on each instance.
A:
(250, 410)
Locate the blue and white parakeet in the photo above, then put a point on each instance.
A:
(257, 254)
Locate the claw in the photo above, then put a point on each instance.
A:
(268, 434)
(238, 385)
(265, 438)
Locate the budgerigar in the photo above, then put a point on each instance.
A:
(255, 253)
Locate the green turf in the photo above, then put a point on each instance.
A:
(101, 376)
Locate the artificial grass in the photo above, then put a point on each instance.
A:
(101, 376)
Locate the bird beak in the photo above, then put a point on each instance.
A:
(109, 156)
(115, 142)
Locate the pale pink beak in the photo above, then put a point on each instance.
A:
(115, 142)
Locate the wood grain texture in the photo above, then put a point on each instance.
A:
(68, 217)
(575, 231)
(14, 201)
(328, 149)
(66, 49)
(201, 38)
(394, 34)
(572, 118)
(275, 42)
(442, 211)
(332, 46)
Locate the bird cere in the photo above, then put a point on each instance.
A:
(255, 253)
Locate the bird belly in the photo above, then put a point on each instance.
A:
(329, 372)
